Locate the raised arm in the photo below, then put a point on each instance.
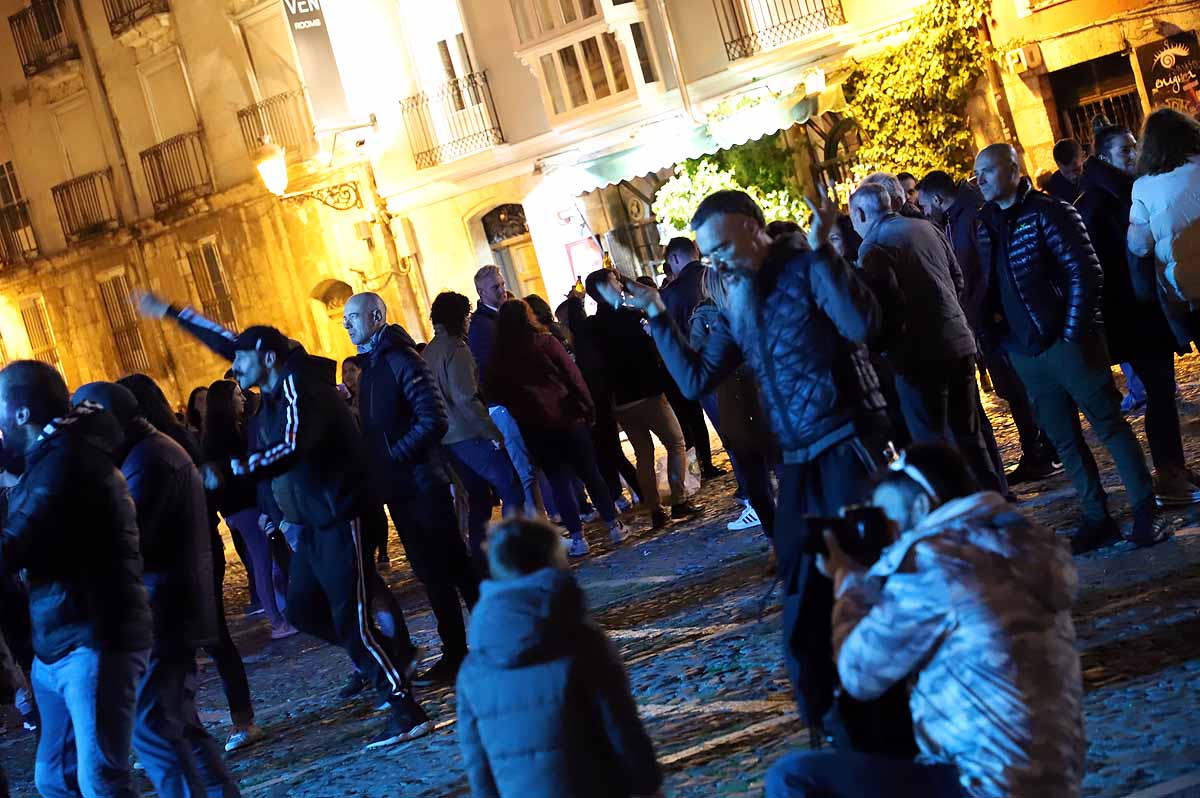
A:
(845, 298)
(208, 332)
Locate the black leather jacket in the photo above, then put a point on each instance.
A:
(1050, 258)
(803, 339)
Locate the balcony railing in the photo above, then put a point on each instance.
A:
(283, 117)
(124, 14)
(86, 205)
(751, 26)
(177, 170)
(454, 120)
(41, 40)
(16, 234)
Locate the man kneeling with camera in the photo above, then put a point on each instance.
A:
(971, 606)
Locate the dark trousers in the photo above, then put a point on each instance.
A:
(610, 457)
(375, 530)
(751, 469)
(691, 420)
(484, 466)
(1075, 374)
(181, 759)
(993, 448)
(225, 654)
(1035, 445)
(243, 553)
(848, 774)
(1157, 372)
(940, 401)
(428, 529)
(562, 454)
(332, 595)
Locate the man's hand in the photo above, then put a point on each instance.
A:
(838, 561)
(643, 298)
(149, 304)
(824, 218)
(212, 477)
(239, 468)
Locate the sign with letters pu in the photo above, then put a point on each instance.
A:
(1170, 70)
(310, 32)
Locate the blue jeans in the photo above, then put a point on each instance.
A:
(482, 464)
(518, 453)
(848, 774)
(181, 759)
(87, 704)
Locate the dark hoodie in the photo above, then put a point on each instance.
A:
(403, 416)
(544, 705)
(1133, 327)
(73, 527)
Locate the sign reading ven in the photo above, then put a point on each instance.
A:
(306, 21)
(1171, 72)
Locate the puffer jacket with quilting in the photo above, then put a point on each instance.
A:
(1050, 257)
(801, 330)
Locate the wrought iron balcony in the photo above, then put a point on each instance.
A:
(41, 40)
(17, 242)
(283, 117)
(456, 119)
(177, 170)
(124, 14)
(751, 26)
(86, 205)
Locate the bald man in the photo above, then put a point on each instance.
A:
(1043, 308)
(404, 419)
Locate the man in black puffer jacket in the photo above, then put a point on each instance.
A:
(799, 317)
(404, 420)
(72, 527)
(309, 445)
(180, 757)
(1044, 309)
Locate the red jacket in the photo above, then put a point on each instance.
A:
(540, 385)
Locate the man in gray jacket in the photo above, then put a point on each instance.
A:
(912, 269)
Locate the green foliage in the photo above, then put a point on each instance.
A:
(910, 101)
(762, 168)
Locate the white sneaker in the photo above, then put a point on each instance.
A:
(746, 520)
(617, 531)
(577, 547)
(284, 631)
(244, 737)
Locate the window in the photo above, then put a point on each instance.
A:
(584, 72)
(538, 18)
(16, 230)
(204, 263)
(37, 327)
(123, 321)
(645, 60)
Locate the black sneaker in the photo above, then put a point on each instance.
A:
(1032, 471)
(684, 510)
(711, 471)
(354, 685)
(444, 671)
(406, 721)
(1149, 528)
(659, 519)
(1094, 535)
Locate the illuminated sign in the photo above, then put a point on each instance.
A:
(306, 21)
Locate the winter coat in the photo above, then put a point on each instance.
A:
(403, 417)
(1170, 204)
(960, 228)
(632, 368)
(72, 526)
(481, 336)
(975, 603)
(743, 425)
(802, 337)
(1059, 187)
(683, 294)
(172, 519)
(306, 439)
(1133, 326)
(453, 369)
(540, 385)
(544, 705)
(930, 326)
(1051, 261)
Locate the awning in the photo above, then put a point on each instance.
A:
(664, 145)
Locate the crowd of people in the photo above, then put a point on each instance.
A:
(815, 354)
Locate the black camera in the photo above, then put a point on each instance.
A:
(862, 531)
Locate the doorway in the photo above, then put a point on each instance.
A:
(512, 248)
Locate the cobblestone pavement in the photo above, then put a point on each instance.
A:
(690, 611)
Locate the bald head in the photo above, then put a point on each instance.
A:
(362, 317)
(869, 203)
(998, 171)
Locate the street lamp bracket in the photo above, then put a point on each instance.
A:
(340, 196)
